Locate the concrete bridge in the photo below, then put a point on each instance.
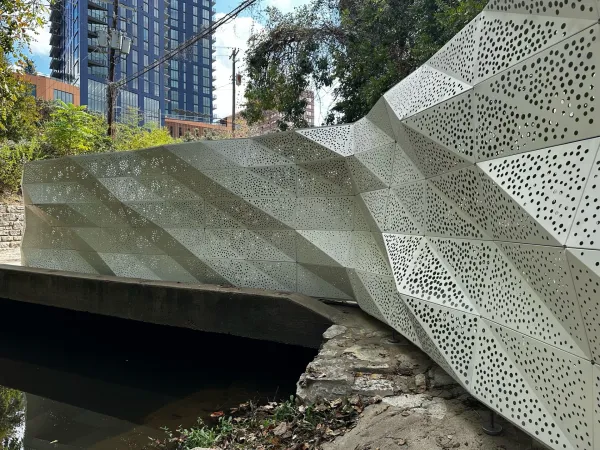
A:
(462, 211)
(283, 317)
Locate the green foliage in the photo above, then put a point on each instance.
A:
(12, 157)
(71, 130)
(12, 415)
(12, 92)
(131, 136)
(28, 66)
(40, 129)
(276, 426)
(22, 119)
(356, 48)
(200, 435)
(20, 20)
(286, 411)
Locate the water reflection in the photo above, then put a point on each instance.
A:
(12, 418)
(77, 381)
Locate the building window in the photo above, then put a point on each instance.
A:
(63, 96)
(97, 96)
(151, 111)
(129, 105)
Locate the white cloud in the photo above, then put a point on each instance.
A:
(236, 34)
(233, 34)
(286, 6)
(40, 40)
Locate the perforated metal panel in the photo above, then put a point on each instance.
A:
(463, 210)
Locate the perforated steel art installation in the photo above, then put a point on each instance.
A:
(464, 211)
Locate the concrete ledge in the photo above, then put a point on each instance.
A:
(283, 317)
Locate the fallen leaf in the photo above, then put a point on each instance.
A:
(280, 429)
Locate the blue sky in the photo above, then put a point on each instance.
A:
(233, 34)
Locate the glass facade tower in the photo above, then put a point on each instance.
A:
(180, 88)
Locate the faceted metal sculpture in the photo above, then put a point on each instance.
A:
(464, 211)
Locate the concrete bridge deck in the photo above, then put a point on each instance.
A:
(284, 317)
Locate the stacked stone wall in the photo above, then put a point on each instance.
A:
(12, 220)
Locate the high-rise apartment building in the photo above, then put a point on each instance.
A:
(181, 88)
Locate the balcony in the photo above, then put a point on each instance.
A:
(56, 15)
(56, 64)
(56, 27)
(56, 40)
(96, 6)
(97, 60)
(97, 17)
(57, 75)
(55, 52)
(96, 48)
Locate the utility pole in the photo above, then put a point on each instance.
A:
(233, 55)
(110, 88)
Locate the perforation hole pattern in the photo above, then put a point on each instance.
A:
(567, 8)
(516, 38)
(586, 227)
(338, 139)
(499, 382)
(423, 88)
(450, 123)
(453, 333)
(457, 57)
(546, 100)
(463, 210)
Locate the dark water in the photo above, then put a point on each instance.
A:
(82, 381)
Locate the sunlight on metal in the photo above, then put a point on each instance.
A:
(463, 211)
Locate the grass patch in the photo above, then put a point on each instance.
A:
(274, 426)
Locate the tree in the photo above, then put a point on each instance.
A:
(12, 415)
(357, 48)
(71, 130)
(131, 135)
(13, 92)
(28, 66)
(19, 22)
(19, 116)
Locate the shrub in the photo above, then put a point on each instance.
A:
(72, 130)
(132, 135)
(12, 157)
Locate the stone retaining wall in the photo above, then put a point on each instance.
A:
(12, 220)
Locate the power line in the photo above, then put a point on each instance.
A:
(187, 44)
